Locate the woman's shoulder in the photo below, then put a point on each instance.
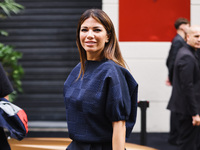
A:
(114, 67)
(74, 72)
(109, 65)
(115, 71)
(76, 68)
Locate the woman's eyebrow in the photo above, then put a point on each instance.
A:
(97, 27)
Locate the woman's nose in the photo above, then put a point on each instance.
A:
(90, 34)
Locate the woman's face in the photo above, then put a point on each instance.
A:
(93, 37)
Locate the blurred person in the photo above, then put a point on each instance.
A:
(185, 98)
(198, 55)
(181, 25)
(5, 89)
(100, 93)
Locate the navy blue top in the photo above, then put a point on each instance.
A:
(106, 93)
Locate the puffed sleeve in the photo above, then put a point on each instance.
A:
(122, 98)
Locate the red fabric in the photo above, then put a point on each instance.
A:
(23, 117)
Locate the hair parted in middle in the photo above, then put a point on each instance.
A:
(111, 50)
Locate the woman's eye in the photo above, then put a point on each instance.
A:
(83, 30)
(97, 30)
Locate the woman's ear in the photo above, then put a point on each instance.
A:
(107, 40)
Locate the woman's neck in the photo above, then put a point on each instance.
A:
(94, 57)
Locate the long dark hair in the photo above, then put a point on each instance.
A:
(111, 50)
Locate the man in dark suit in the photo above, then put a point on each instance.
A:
(181, 25)
(185, 98)
(198, 54)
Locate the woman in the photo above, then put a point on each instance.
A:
(100, 94)
(5, 89)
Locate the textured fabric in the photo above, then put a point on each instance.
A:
(5, 85)
(106, 93)
(14, 119)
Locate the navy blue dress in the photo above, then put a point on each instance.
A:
(106, 93)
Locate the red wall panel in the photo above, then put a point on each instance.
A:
(150, 20)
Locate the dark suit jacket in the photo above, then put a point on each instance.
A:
(185, 98)
(198, 55)
(177, 43)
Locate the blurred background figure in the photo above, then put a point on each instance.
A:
(185, 98)
(181, 25)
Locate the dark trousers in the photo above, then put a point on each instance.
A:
(188, 134)
(174, 126)
(3, 140)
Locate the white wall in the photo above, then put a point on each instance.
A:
(195, 12)
(147, 64)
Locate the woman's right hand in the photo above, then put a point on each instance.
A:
(196, 120)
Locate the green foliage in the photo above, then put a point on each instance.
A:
(2, 32)
(8, 56)
(9, 6)
(9, 59)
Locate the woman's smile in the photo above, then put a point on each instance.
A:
(93, 37)
(90, 43)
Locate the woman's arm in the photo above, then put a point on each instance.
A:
(6, 97)
(119, 134)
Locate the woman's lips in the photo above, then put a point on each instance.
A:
(90, 43)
